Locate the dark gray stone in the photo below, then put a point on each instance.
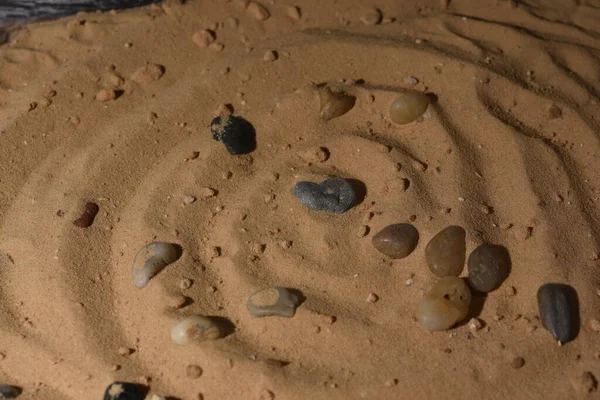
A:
(488, 265)
(9, 392)
(559, 310)
(235, 133)
(334, 195)
(124, 391)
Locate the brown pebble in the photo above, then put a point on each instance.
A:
(391, 382)
(106, 95)
(554, 112)
(187, 199)
(216, 47)
(45, 102)
(270, 55)
(372, 298)
(203, 38)
(194, 155)
(362, 231)
(223, 109)
(523, 233)
(517, 362)
(257, 248)
(87, 217)
(595, 325)
(177, 302)
(148, 74)
(445, 252)
(315, 154)
(294, 12)
(124, 351)
(185, 284)
(334, 104)
(206, 192)
(258, 11)
(371, 16)
(193, 371)
(397, 240)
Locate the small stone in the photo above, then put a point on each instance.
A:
(391, 382)
(273, 301)
(270, 55)
(595, 325)
(185, 284)
(554, 112)
(216, 47)
(45, 102)
(257, 248)
(411, 80)
(124, 391)
(315, 154)
(49, 94)
(396, 241)
(517, 362)
(203, 38)
(408, 107)
(124, 351)
(195, 329)
(206, 192)
(523, 233)
(334, 195)
(148, 74)
(334, 104)
(193, 371)
(294, 12)
(445, 252)
(110, 80)
(512, 291)
(362, 231)
(150, 260)
(258, 11)
(488, 267)
(187, 199)
(177, 301)
(475, 324)
(234, 132)
(446, 304)
(9, 392)
(585, 383)
(559, 310)
(371, 17)
(87, 217)
(372, 298)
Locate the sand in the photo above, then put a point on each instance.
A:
(508, 151)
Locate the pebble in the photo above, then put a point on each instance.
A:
(9, 392)
(148, 74)
(517, 362)
(124, 391)
(411, 80)
(488, 267)
(396, 240)
(372, 298)
(195, 329)
(445, 252)
(371, 17)
(177, 301)
(150, 260)
(87, 217)
(334, 195)
(408, 107)
(273, 301)
(235, 133)
(203, 38)
(475, 324)
(270, 55)
(206, 192)
(595, 325)
(362, 231)
(258, 11)
(446, 304)
(334, 104)
(106, 95)
(187, 199)
(193, 371)
(294, 12)
(554, 112)
(315, 154)
(559, 310)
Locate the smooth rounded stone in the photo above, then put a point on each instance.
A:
(273, 301)
(445, 252)
(446, 304)
(488, 267)
(124, 391)
(396, 240)
(234, 132)
(150, 260)
(334, 195)
(195, 329)
(334, 104)
(408, 107)
(9, 392)
(559, 310)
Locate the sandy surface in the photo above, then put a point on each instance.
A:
(489, 155)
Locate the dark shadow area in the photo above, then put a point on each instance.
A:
(227, 327)
(178, 251)
(301, 297)
(272, 362)
(360, 189)
(10, 392)
(476, 307)
(118, 93)
(432, 97)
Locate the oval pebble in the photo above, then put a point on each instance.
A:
(334, 195)
(408, 107)
(124, 391)
(559, 310)
(234, 132)
(273, 301)
(150, 260)
(488, 267)
(334, 104)
(9, 392)
(195, 329)
(445, 252)
(396, 240)
(446, 304)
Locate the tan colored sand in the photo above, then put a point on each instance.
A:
(491, 155)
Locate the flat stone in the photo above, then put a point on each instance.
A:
(334, 104)
(445, 305)
(397, 240)
(445, 252)
(124, 391)
(559, 310)
(150, 260)
(408, 107)
(334, 195)
(9, 392)
(488, 267)
(234, 132)
(195, 329)
(273, 301)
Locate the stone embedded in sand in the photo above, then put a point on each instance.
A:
(445, 252)
(106, 95)
(408, 107)
(150, 260)
(110, 80)
(203, 38)
(258, 11)
(446, 304)
(193, 371)
(270, 55)
(293, 12)
(234, 132)
(334, 104)
(559, 310)
(195, 329)
(124, 391)
(371, 16)
(334, 195)
(87, 217)
(488, 267)
(9, 392)
(315, 154)
(396, 240)
(148, 74)
(273, 301)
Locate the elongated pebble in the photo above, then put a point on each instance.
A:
(408, 107)
(124, 391)
(150, 260)
(446, 304)
(396, 240)
(273, 301)
(559, 310)
(488, 267)
(445, 252)
(195, 329)
(9, 392)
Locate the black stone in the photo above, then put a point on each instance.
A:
(559, 310)
(235, 133)
(125, 391)
(488, 265)
(334, 195)
(9, 392)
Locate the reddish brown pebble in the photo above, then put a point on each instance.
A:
(87, 217)
(193, 371)
(517, 362)
(106, 95)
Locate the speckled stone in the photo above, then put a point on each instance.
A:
(334, 195)
(408, 107)
(488, 267)
(9, 392)
(559, 310)
(273, 301)
(397, 240)
(124, 391)
(445, 252)
(446, 304)
(234, 132)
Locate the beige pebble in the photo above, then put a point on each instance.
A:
(203, 38)
(124, 351)
(187, 199)
(177, 301)
(362, 231)
(49, 93)
(257, 248)
(206, 192)
(258, 11)
(185, 284)
(315, 154)
(391, 382)
(595, 325)
(193, 371)
(371, 16)
(411, 80)
(148, 74)
(216, 47)
(286, 244)
(294, 12)
(106, 95)
(270, 55)
(372, 298)
(475, 324)
(74, 121)
(45, 102)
